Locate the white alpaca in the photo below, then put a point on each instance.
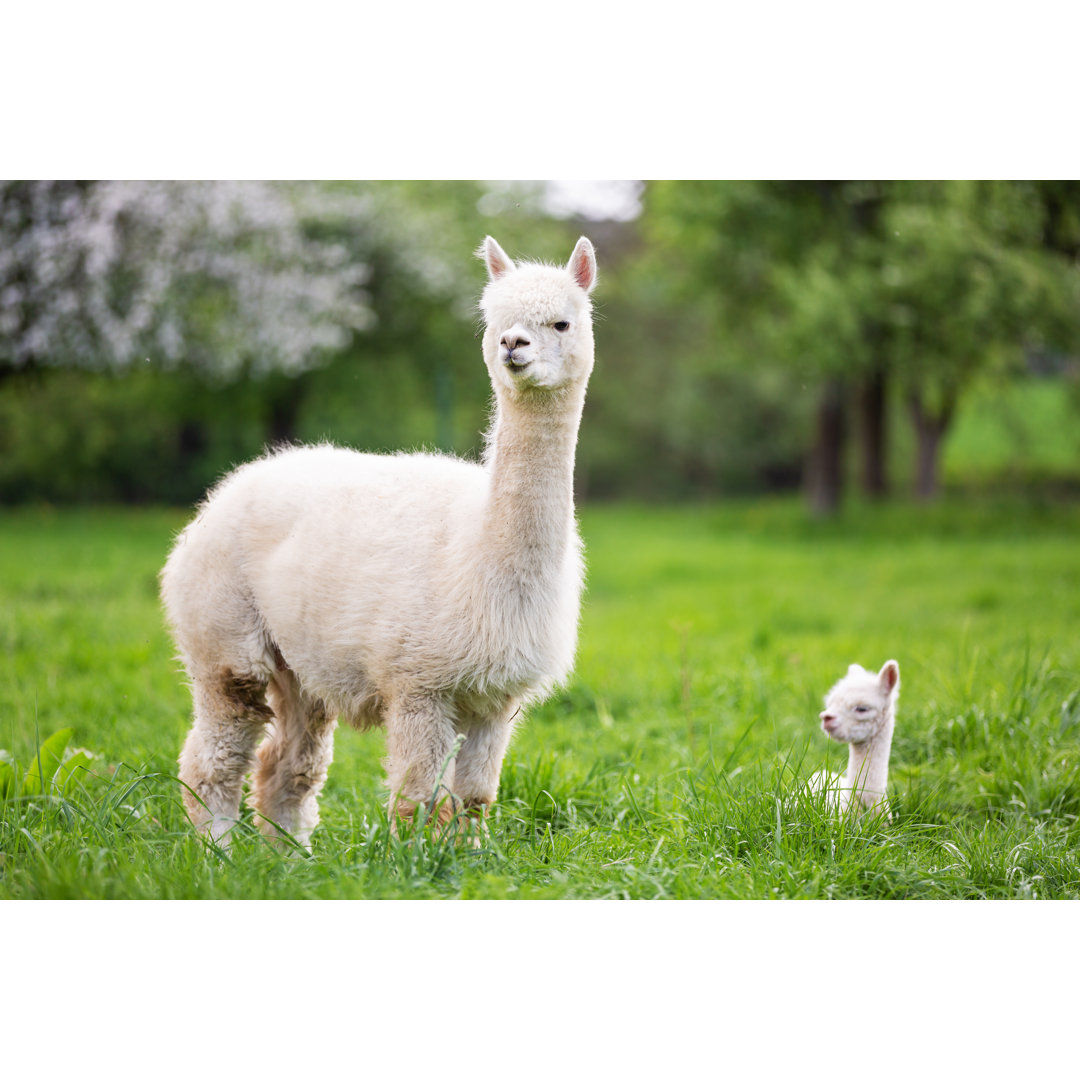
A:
(424, 593)
(860, 710)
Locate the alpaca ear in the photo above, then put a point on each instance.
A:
(582, 264)
(498, 262)
(889, 676)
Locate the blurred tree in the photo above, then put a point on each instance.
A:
(775, 261)
(674, 409)
(967, 282)
(215, 276)
(746, 332)
(244, 288)
(170, 330)
(256, 281)
(1060, 201)
(848, 284)
(216, 280)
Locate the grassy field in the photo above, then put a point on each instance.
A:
(669, 767)
(1010, 432)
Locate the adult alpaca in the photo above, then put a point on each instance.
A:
(861, 711)
(420, 592)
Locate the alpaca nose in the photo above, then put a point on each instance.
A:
(826, 717)
(514, 340)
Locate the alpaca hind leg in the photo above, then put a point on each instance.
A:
(420, 767)
(230, 714)
(293, 762)
(479, 764)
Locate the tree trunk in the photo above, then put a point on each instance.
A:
(285, 397)
(930, 431)
(825, 465)
(928, 442)
(873, 432)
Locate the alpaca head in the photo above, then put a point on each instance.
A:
(538, 336)
(859, 705)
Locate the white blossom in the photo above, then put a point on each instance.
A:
(217, 275)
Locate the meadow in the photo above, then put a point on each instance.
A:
(669, 767)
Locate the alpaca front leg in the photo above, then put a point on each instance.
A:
(420, 766)
(230, 714)
(293, 762)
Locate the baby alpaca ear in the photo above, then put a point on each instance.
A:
(498, 262)
(889, 676)
(582, 264)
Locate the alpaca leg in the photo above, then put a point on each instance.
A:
(419, 764)
(479, 764)
(293, 761)
(230, 713)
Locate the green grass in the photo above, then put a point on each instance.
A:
(669, 767)
(1014, 431)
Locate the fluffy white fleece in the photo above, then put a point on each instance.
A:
(860, 710)
(428, 594)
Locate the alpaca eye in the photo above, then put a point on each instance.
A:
(862, 708)
(561, 326)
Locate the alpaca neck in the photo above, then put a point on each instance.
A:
(530, 461)
(868, 762)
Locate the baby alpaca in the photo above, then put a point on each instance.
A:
(429, 595)
(860, 710)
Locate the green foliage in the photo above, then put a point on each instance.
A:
(924, 284)
(70, 436)
(413, 377)
(834, 276)
(719, 314)
(966, 281)
(679, 420)
(671, 766)
(50, 771)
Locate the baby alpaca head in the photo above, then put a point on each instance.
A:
(539, 321)
(858, 706)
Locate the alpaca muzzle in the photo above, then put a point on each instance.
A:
(515, 363)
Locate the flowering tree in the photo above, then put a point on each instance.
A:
(215, 275)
